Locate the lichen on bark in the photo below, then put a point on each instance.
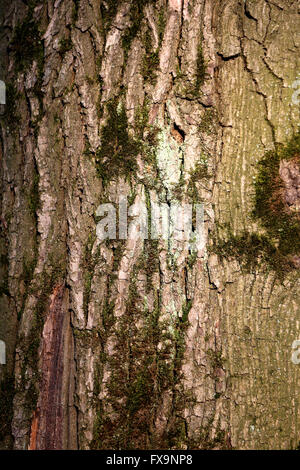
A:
(147, 343)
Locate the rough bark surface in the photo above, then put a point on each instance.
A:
(131, 343)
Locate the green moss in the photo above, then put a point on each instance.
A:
(136, 20)
(65, 45)
(192, 88)
(185, 311)
(136, 17)
(150, 60)
(149, 66)
(280, 240)
(139, 390)
(34, 196)
(75, 10)
(192, 259)
(26, 44)
(268, 203)
(216, 359)
(161, 25)
(178, 189)
(108, 314)
(200, 172)
(180, 327)
(146, 135)
(252, 250)
(131, 394)
(177, 434)
(151, 259)
(28, 270)
(108, 11)
(200, 69)
(10, 115)
(31, 397)
(140, 370)
(118, 250)
(141, 119)
(87, 148)
(203, 441)
(118, 151)
(208, 121)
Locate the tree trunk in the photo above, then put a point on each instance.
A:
(145, 344)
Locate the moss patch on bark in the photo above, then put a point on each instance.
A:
(27, 44)
(118, 151)
(279, 243)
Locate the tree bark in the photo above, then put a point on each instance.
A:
(133, 344)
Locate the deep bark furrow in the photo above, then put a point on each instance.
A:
(143, 343)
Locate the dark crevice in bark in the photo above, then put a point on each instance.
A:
(227, 58)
